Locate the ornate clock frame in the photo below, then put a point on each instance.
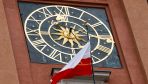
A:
(49, 40)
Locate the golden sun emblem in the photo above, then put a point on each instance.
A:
(73, 37)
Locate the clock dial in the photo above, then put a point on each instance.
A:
(59, 32)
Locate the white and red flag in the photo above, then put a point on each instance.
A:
(80, 65)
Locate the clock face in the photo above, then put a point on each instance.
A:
(58, 32)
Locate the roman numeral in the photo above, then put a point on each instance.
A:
(97, 24)
(73, 53)
(64, 10)
(63, 13)
(52, 54)
(105, 36)
(40, 44)
(55, 54)
(46, 12)
(103, 48)
(33, 19)
(94, 58)
(36, 32)
(44, 33)
(32, 32)
(81, 15)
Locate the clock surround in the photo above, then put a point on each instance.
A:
(40, 21)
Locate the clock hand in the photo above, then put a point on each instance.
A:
(76, 38)
(105, 37)
(70, 30)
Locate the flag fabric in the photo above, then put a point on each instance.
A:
(80, 65)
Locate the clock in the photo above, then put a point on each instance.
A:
(58, 32)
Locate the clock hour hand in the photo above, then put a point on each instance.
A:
(70, 30)
(76, 36)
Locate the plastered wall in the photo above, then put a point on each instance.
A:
(8, 72)
(137, 12)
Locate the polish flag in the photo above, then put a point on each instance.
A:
(80, 65)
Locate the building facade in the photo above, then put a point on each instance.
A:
(127, 18)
